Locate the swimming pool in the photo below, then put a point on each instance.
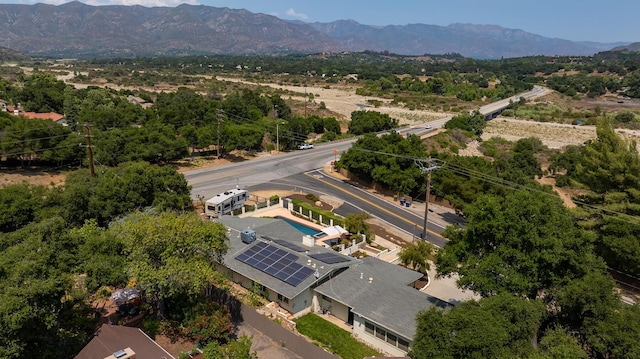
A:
(301, 227)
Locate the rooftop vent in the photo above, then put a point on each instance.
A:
(126, 353)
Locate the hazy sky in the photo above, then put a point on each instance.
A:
(578, 20)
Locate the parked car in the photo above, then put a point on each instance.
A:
(305, 146)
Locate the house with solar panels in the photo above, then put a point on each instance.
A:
(271, 253)
(375, 298)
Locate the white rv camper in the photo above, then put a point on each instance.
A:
(226, 202)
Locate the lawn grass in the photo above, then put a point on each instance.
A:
(333, 338)
(337, 220)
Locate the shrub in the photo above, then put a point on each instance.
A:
(208, 322)
(562, 180)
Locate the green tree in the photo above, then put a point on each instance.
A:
(524, 152)
(27, 140)
(171, 253)
(370, 121)
(103, 256)
(617, 335)
(502, 326)
(523, 243)
(558, 343)
(566, 161)
(331, 124)
(587, 300)
(609, 163)
(246, 137)
(118, 191)
(42, 92)
(368, 160)
(20, 204)
(474, 123)
(418, 256)
(182, 107)
(41, 315)
(356, 223)
(610, 167)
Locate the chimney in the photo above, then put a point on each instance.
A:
(308, 241)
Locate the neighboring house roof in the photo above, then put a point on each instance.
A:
(277, 229)
(138, 100)
(55, 117)
(108, 339)
(386, 300)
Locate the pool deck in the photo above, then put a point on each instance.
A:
(286, 214)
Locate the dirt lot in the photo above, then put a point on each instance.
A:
(343, 100)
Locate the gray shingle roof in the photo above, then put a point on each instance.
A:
(387, 300)
(275, 229)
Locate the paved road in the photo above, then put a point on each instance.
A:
(208, 182)
(279, 343)
(285, 169)
(358, 200)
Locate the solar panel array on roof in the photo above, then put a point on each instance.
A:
(290, 245)
(329, 258)
(275, 262)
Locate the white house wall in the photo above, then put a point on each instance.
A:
(337, 309)
(302, 302)
(379, 344)
(299, 305)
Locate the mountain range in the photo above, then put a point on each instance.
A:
(79, 30)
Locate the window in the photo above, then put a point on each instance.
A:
(283, 298)
(391, 339)
(326, 299)
(369, 328)
(403, 344)
(386, 336)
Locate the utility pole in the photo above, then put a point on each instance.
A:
(427, 190)
(278, 136)
(220, 112)
(89, 150)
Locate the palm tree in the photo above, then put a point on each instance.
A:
(418, 257)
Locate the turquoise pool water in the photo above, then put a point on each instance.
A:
(301, 227)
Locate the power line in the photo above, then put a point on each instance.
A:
(460, 170)
(37, 150)
(36, 139)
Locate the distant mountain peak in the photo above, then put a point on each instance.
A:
(76, 29)
(633, 47)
